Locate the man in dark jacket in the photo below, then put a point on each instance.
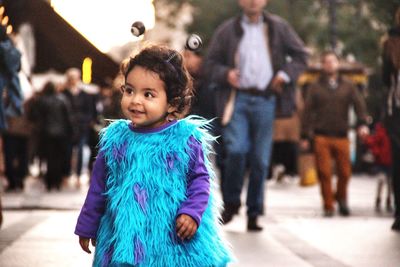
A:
(326, 121)
(252, 57)
(391, 78)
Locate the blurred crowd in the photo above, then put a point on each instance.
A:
(60, 120)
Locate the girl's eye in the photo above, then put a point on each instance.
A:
(128, 91)
(148, 94)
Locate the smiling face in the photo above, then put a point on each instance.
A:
(144, 99)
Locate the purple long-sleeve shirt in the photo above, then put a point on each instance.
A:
(197, 192)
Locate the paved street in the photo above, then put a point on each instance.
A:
(38, 230)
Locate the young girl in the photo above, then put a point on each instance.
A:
(150, 200)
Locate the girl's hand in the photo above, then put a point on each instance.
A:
(186, 227)
(84, 242)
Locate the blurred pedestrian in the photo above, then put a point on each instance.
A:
(11, 101)
(378, 145)
(249, 60)
(83, 109)
(202, 100)
(15, 144)
(149, 201)
(11, 106)
(391, 79)
(326, 124)
(203, 103)
(55, 129)
(34, 117)
(107, 108)
(285, 143)
(108, 105)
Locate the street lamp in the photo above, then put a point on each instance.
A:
(332, 23)
(332, 11)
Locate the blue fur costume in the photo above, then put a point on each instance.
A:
(145, 187)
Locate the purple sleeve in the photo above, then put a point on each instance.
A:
(93, 208)
(198, 184)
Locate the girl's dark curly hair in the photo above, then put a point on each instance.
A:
(170, 69)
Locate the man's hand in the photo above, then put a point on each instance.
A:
(277, 84)
(84, 242)
(186, 227)
(304, 145)
(233, 78)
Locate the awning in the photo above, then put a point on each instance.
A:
(58, 45)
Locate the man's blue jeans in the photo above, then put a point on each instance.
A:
(248, 143)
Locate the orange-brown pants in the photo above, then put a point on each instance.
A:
(338, 149)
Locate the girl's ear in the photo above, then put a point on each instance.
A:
(171, 113)
(171, 109)
(172, 105)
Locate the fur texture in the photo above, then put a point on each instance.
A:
(145, 187)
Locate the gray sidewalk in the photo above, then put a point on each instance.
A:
(295, 233)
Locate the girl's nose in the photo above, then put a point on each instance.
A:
(135, 99)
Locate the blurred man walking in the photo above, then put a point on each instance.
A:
(326, 121)
(249, 60)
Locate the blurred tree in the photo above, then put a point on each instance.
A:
(383, 10)
(207, 14)
(359, 24)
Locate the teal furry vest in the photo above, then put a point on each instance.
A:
(144, 192)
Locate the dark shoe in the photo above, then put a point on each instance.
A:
(252, 225)
(343, 208)
(328, 213)
(396, 225)
(229, 211)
